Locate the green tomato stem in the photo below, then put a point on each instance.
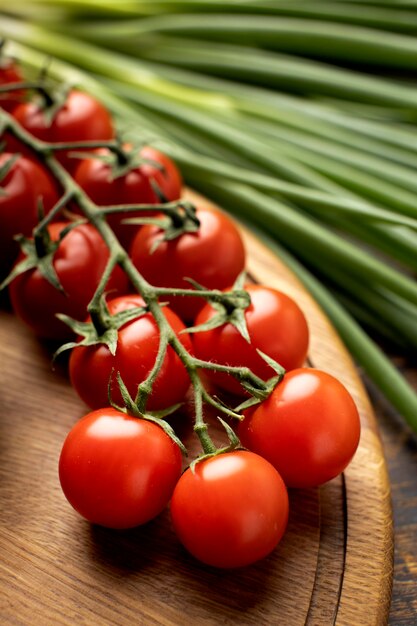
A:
(67, 197)
(145, 387)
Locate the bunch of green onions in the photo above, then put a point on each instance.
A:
(296, 115)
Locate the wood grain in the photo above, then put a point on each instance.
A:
(334, 565)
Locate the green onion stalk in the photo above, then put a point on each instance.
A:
(298, 117)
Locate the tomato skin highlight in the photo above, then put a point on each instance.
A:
(79, 263)
(95, 178)
(214, 257)
(232, 511)
(276, 326)
(91, 367)
(81, 118)
(118, 471)
(308, 428)
(26, 182)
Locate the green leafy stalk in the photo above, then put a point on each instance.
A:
(303, 37)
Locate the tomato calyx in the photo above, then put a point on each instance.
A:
(102, 327)
(156, 417)
(230, 307)
(234, 443)
(39, 253)
(51, 99)
(125, 157)
(174, 220)
(117, 157)
(179, 218)
(122, 159)
(259, 394)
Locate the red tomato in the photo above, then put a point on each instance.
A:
(79, 263)
(276, 326)
(81, 118)
(26, 182)
(9, 73)
(214, 257)
(118, 471)
(137, 346)
(232, 511)
(95, 177)
(308, 428)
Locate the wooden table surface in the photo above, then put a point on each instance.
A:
(401, 455)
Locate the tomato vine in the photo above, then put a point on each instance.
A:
(237, 298)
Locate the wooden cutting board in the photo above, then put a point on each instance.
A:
(334, 565)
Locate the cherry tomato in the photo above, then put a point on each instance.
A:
(276, 326)
(213, 256)
(81, 118)
(232, 511)
(95, 177)
(79, 263)
(308, 428)
(118, 471)
(9, 73)
(91, 367)
(23, 186)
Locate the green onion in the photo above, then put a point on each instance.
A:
(384, 18)
(300, 36)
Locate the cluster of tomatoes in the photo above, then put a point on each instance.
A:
(119, 470)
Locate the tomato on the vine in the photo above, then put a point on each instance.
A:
(276, 326)
(81, 118)
(308, 428)
(9, 74)
(231, 511)
(213, 256)
(95, 177)
(118, 471)
(26, 183)
(79, 263)
(91, 367)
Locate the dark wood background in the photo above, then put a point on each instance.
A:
(401, 453)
